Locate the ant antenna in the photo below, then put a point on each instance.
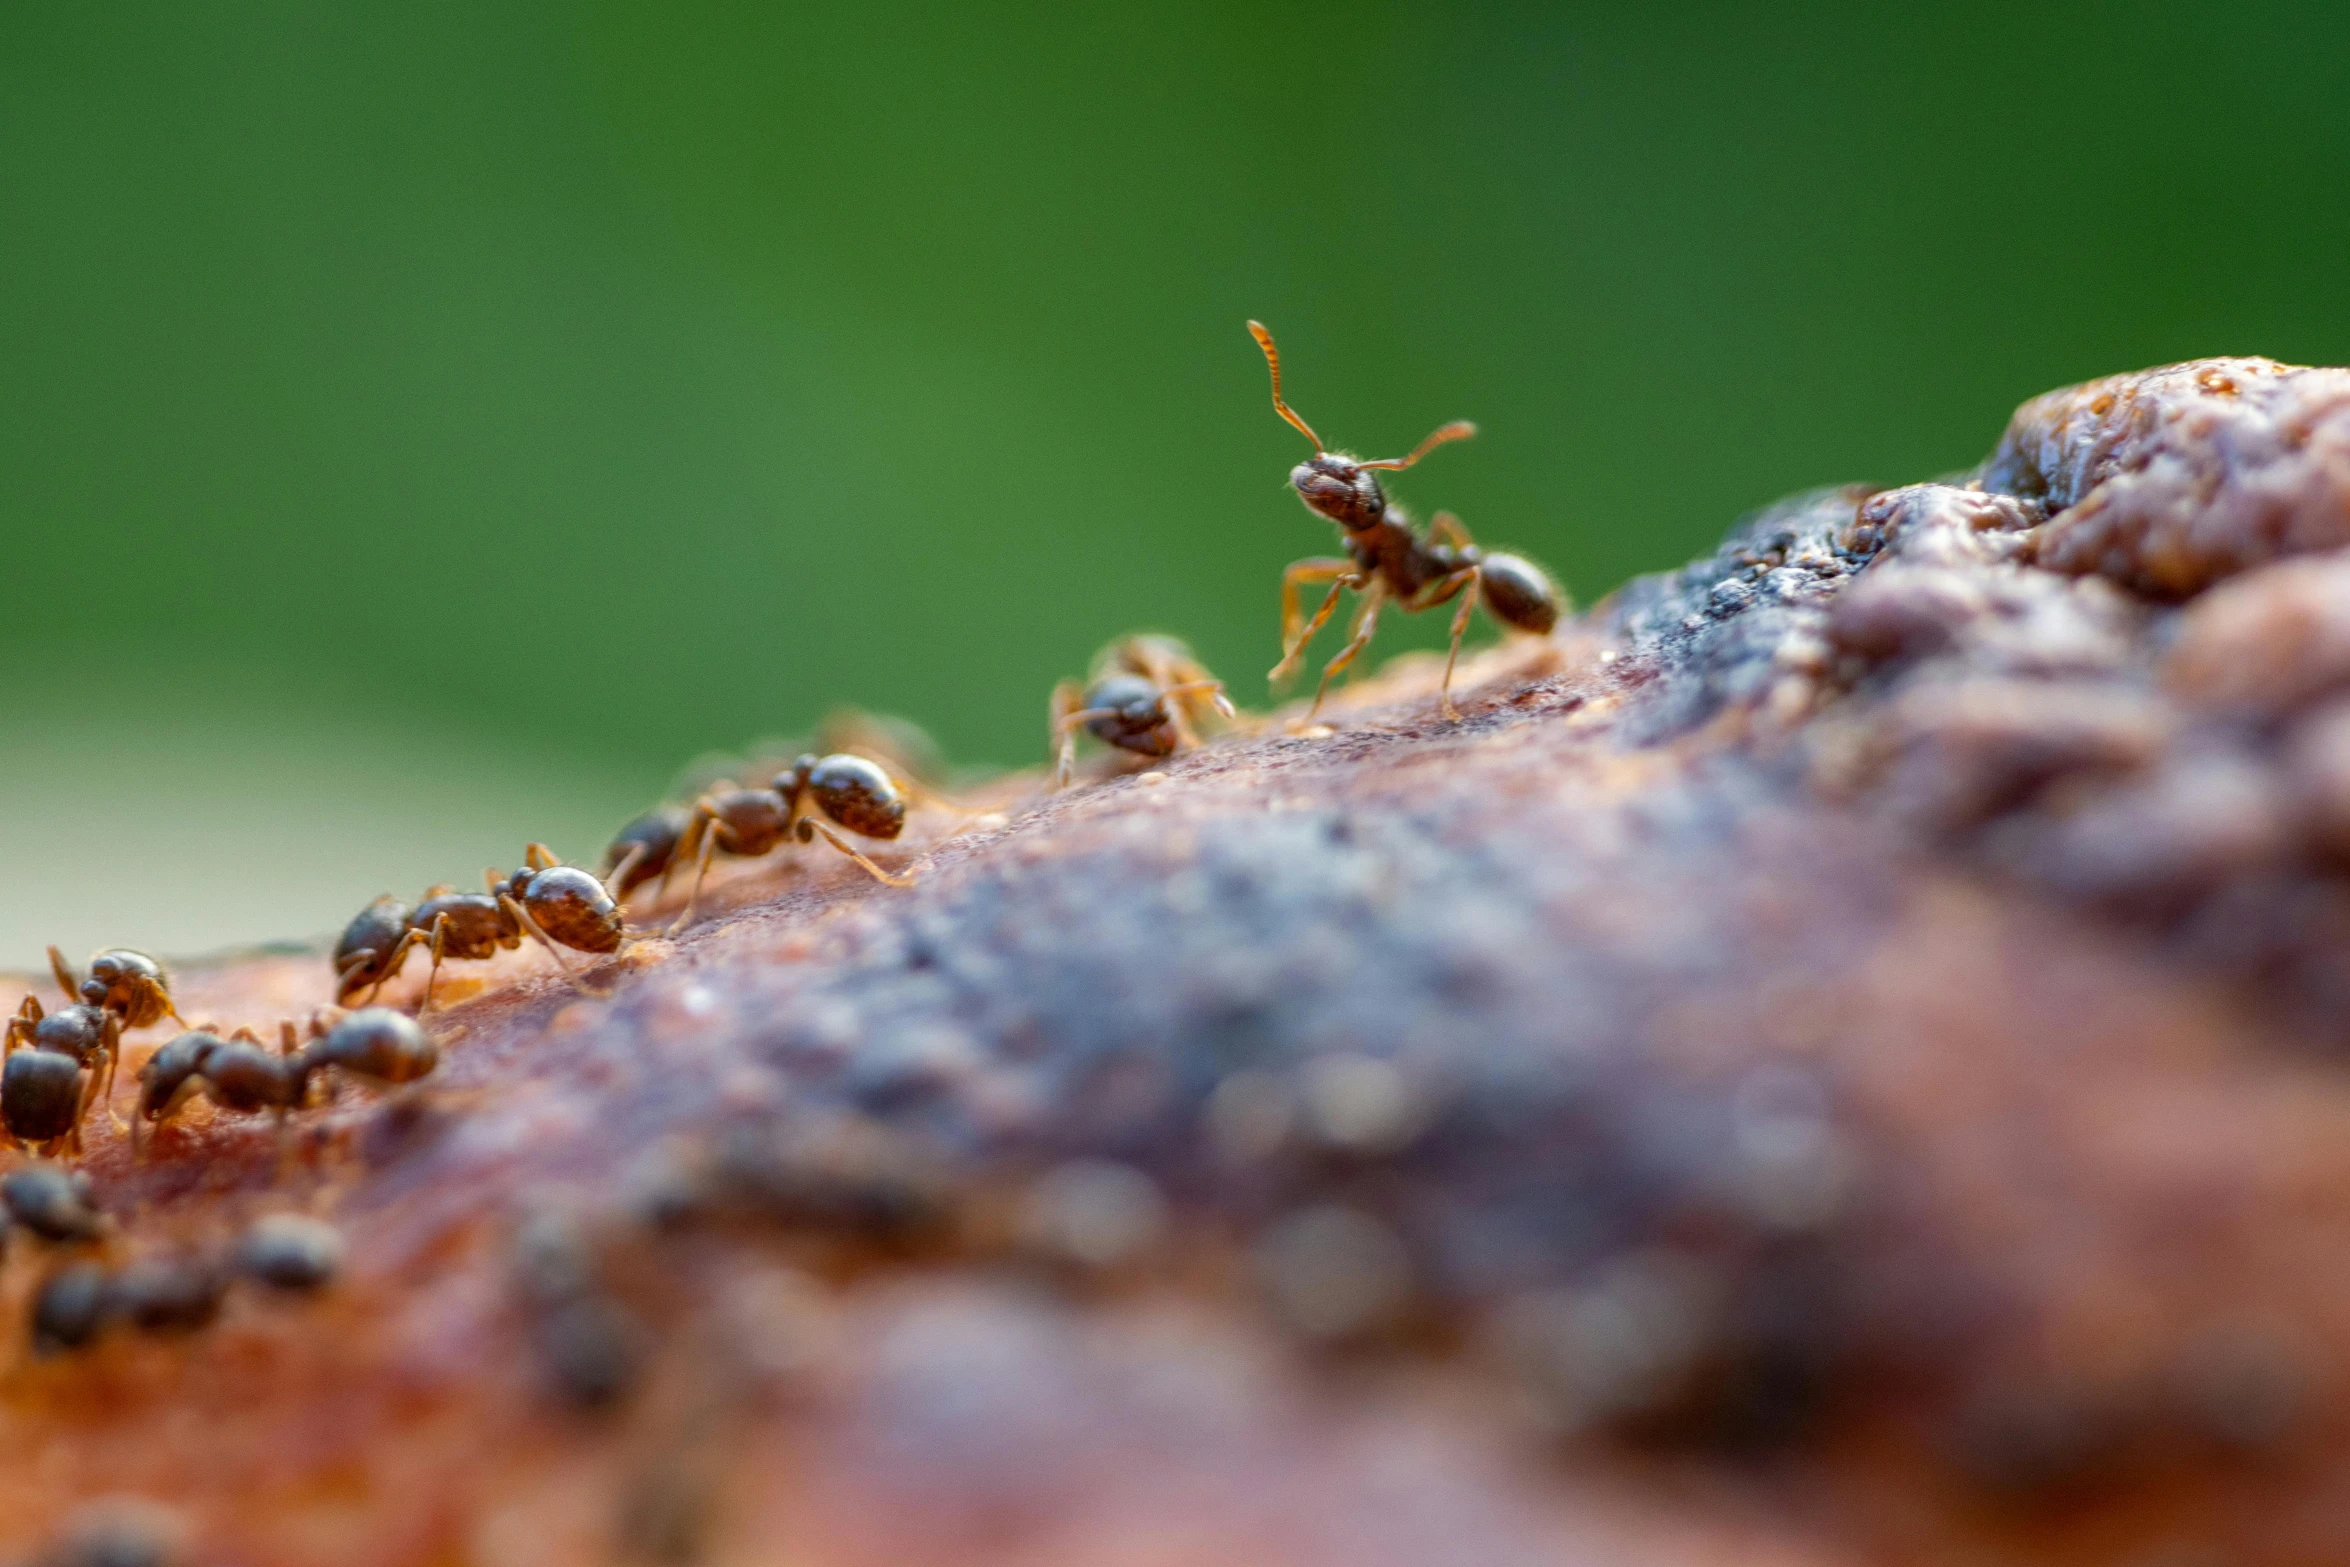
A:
(1458, 430)
(1256, 329)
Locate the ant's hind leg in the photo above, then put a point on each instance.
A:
(64, 975)
(842, 844)
(1366, 623)
(1459, 585)
(539, 857)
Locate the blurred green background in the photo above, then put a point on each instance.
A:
(423, 427)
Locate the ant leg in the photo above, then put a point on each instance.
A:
(521, 916)
(709, 846)
(1178, 700)
(1060, 733)
(440, 936)
(1340, 575)
(539, 857)
(1366, 623)
(110, 1041)
(64, 974)
(393, 964)
(1446, 527)
(619, 877)
(842, 844)
(1443, 591)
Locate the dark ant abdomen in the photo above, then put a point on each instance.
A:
(643, 849)
(1519, 593)
(856, 793)
(40, 1095)
(572, 907)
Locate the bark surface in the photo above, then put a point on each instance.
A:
(1835, 1060)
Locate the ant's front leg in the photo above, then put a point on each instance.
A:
(1340, 574)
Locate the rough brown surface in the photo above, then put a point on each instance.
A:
(1836, 1060)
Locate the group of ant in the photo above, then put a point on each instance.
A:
(60, 1064)
(1146, 696)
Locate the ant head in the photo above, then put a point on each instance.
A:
(1339, 487)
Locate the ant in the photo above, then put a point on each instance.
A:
(555, 904)
(44, 1094)
(1144, 696)
(236, 1073)
(376, 1044)
(1386, 560)
(858, 794)
(130, 985)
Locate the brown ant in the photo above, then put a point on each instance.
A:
(1145, 695)
(131, 985)
(1386, 560)
(858, 794)
(555, 904)
(239, 1073)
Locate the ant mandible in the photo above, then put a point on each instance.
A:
(555, 904)
(1145, 695)
(858, 794)
(1386, 560)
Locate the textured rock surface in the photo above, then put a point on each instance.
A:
(1836, 1060)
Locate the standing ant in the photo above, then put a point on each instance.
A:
(1386, 560)
(555, 904)
(1145, 695)
(858, 794)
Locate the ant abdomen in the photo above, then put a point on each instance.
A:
(41, 1095)
(854, 792)
(1519, 593)
(376, 1043)
(570, 906)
